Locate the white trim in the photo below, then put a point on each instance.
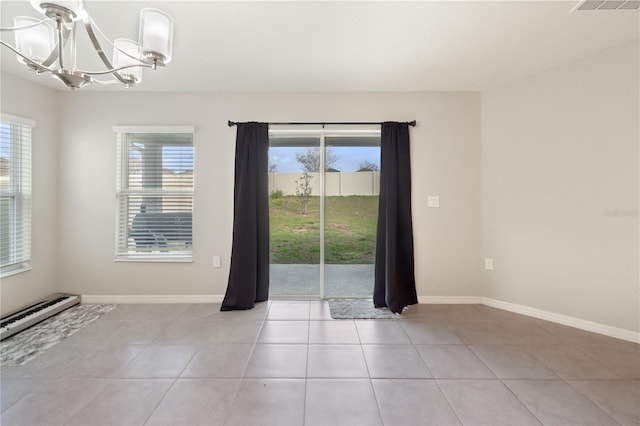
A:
(9, 118)
(618, 333)
(329, 132)
(153, 259)
(152, 298)
(154, 129)
(16, 271)
(450, 300)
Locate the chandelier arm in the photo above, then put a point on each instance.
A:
(115, 70)
(113, 81)
(26, 27)
(39, 67)
(97, 29)
(98, 47)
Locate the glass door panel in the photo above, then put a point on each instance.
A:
(295, 186)
(352, 186)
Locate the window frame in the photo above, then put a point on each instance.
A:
(20, 170)
(123, 191)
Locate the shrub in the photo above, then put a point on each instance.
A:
(276, 194)
(303, 190)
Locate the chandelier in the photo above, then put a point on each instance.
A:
(48, 44)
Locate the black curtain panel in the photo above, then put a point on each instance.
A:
(249, 274)
(395, 284)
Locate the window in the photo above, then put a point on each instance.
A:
(154, 193)
(15, 194)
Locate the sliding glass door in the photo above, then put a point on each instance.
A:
(352, 186)
(323, 209)
(294, 215)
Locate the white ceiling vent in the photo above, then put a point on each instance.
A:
(608, 5)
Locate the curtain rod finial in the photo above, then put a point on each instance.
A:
(412, 123)
(231, 123)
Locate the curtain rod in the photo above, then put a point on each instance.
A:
(410, 123)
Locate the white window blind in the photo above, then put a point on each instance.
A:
(154, 195)
(15, 194)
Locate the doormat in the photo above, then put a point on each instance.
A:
(358, 309)
(23, 347)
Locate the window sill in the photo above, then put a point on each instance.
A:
(16, 271)
(154, 259)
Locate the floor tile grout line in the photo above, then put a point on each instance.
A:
(470, 349)
(583, 347)
(164, 395)
(196, 350)
(91, 400)
(19, 399)
(244, 370)
(375, 396)
(558, 379)
(561, 377)
(306, 372)
(448, 400)
(597, 361)
(610, 414)
(424, 362)
(121, 369)
(521, 402)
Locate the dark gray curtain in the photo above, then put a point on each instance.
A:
(395, 284)
(249, 274)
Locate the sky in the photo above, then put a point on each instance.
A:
(349, 158)
(179, 158)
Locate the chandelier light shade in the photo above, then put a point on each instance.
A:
(125, 53)
(36, 42)
(156, 34)
(47, 45)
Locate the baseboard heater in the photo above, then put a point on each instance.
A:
(24, 318)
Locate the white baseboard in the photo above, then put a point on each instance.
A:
(152, 298)
(195, 298)
(450, 300)
(618, 333)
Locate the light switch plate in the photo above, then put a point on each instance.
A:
(433, 201)
(216, 261)
(488, 264)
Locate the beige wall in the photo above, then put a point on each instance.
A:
(560, 189)
(445, 148)
(557, 154)
(24, 99)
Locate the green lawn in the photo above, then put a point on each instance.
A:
(350, 236)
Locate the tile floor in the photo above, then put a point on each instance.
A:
(288, 363)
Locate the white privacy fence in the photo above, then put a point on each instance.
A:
(336, 183)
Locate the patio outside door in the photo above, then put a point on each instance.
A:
(323, 210)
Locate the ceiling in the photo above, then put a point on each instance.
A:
(350, 46)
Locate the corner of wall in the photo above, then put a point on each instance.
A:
(30, 100)
(560, 189)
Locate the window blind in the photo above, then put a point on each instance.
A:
(15, 194)
(154, 195)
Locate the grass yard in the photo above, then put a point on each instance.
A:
(350, 236)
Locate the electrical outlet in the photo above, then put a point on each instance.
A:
(216, 261)
(488, 264)
(433, 201)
